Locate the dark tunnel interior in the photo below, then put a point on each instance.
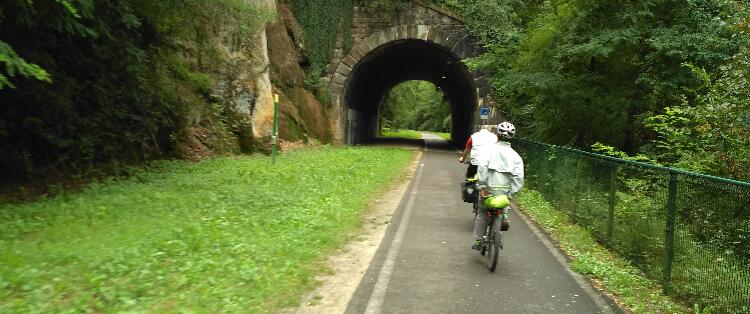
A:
(404, 60)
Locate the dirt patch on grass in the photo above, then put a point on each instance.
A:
(349, 264)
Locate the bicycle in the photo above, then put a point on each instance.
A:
(497, 221)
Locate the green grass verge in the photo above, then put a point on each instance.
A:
(637, 293)
(445, 136)
(223, 235)
(402, 134)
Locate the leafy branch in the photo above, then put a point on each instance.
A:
(15, 65)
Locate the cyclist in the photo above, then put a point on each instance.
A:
(484, 136)
(499, 171)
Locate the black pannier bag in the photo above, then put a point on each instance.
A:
(469, 191)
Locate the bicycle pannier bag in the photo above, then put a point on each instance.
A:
(469, 191)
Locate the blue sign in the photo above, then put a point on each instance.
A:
(484, 113)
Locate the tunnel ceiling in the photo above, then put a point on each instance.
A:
(399, 61)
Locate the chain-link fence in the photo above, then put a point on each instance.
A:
(691, 232)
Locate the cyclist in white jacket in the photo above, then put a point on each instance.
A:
(499, 171)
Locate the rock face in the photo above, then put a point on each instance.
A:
(273, 66)
(302, 115)
(266, 63)
(243, 87)
(262, 114)
(277, 56)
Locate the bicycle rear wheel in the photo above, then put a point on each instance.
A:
(494, 244)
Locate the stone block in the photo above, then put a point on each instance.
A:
(403, 31)
(381, 38)
(338, 78)
(336, 89)
(371, 42)
(452, 39)
(461, 49)
(445, 40)
(349, 61)
(332, 66)
(411, 31)
(358, 51)
(391, 34)
(433, 35)
(423, 31)
(343, 69)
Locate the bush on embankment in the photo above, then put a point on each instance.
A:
(634, 291)
(222, 235)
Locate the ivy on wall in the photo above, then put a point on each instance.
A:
(321, 20)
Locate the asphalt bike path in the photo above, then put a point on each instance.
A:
(425, 263)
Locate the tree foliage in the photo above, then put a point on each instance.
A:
(15, 65)
(106, 81)
(622, 73)
(713, 135)
(416, 105)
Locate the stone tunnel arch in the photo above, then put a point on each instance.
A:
(407, 52)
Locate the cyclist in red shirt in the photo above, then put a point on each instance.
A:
(484, 136)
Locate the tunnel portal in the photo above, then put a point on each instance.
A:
(403, 60)
(418, 41)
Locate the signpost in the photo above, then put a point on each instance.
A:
(484, 113)
(275, 131)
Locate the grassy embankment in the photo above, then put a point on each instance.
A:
(637, 293)
(401, 134)
(223, 235)
(445, 136)
(412, 134)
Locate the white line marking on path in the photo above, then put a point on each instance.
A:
(377, 297)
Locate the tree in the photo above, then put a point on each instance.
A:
(587, 71)
(14, 64)
(129, 75)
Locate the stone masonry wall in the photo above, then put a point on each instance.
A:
(368, 21)
(372, 28)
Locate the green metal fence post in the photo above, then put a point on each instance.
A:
(542, 174)
(612, 203)
(704, 244)
(555, 183)
(577, 186)
(669, 231)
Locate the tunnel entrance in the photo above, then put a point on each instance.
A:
(414, 106)
(404, 60)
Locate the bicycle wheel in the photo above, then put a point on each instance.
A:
(483, 249)
(494, 243)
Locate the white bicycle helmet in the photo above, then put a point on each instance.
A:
(506, 130)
